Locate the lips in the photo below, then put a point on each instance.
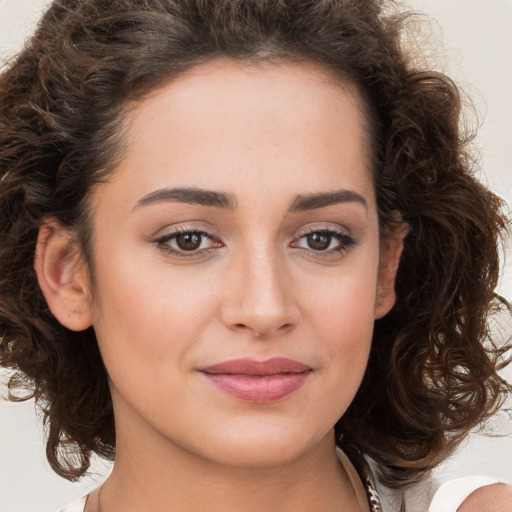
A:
(258, 381)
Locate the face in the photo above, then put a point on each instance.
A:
(238, 266)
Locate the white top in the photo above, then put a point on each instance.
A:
(451, 495)
(76, 506)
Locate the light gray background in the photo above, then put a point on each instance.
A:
(472, 42)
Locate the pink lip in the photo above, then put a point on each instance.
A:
(258, 381)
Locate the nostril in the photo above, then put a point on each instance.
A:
(285, 327)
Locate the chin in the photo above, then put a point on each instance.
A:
(263, 448)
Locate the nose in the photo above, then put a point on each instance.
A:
(260, 297)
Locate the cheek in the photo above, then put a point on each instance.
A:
(346, 326)
(343, 304)
(341, 315)
(147, 318)
(343, 328)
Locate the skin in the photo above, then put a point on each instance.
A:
(265, 135)
(491, 498)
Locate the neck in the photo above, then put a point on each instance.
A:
(160, 477)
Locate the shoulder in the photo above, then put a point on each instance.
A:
(495, 498)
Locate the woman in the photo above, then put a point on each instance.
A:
(235, 235)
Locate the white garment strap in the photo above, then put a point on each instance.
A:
(450, 496)
(76, 506)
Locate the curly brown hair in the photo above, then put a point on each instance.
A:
(432, 371)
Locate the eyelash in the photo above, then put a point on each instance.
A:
(346, 242)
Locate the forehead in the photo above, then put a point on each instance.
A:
(232, 93)
(224, 124)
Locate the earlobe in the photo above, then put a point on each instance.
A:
(391, 250)
(63, 276)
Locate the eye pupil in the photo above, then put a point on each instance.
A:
(319, 241)
(189, 241)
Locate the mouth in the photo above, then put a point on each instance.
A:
(258, 381)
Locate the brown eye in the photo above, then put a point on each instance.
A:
(325, 242)
(189, 241)
(319, 241)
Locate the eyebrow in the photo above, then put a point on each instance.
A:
(323, 199)
(203, 197)
(190, 196)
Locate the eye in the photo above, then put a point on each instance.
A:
(185, 242)
(325, 240)
(189, 241)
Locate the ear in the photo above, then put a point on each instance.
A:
(390, 252)
(63, 276)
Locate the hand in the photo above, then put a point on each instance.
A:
(491, 498)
